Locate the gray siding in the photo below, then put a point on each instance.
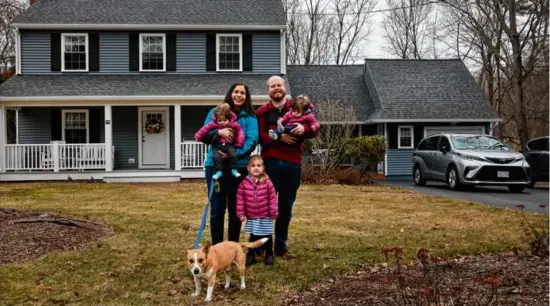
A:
(35, 125)
(399, 162)
(35, 53)
(266, 53)
(191, 53)
(125, 136)
(192, 119)
(114, 56)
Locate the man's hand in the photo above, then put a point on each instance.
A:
(243, 218)
(298, 130)
(288, 139)
(227, 134)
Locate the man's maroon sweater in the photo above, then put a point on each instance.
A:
(267, 119)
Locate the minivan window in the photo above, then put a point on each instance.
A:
(444, 142)
(478, 142)
(538, 145)
(429, 144)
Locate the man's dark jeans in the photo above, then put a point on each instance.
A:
(286, 179)
(226, 198)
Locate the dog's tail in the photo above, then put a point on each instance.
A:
(255, 244)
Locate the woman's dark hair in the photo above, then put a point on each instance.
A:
(247, 106)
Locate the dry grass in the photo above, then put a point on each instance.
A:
(334, 229)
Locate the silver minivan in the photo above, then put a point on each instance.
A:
(469, 160)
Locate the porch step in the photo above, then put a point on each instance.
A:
(142, 177)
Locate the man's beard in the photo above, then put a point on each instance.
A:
(274, 99)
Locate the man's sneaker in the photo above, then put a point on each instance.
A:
(285, 254)
(273, 135)
(217, 175)
(235, 173)
(269, 259)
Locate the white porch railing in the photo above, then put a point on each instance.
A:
(193, 154)
(55, 156)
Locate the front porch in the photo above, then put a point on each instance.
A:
(116, 146)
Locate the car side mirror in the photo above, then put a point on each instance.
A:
(444, 149)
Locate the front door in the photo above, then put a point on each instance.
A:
(154, 134)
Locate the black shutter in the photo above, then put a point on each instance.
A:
(56, 124)
(93, 44)
(134, 51)
(55, 51)
(210, 52)
(170, 52)
(247, 52)
(95, 125)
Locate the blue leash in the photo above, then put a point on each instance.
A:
(204, 215)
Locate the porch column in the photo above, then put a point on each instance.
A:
(3, 138)
(177, 136)
(108, 139)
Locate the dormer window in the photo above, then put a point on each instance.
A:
(229, 55)
(74, 52)
(152, 52)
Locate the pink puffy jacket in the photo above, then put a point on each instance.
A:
(257, 200)
(233, 124)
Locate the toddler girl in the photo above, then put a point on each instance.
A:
(302, 113)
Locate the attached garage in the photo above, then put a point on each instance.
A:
(430, 130)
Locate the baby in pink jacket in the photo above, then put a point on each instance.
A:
(222, 118)
(257, 205)
(302, 113)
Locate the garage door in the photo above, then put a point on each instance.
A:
(454, 129)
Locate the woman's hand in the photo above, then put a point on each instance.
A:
(243, 218)
(227, 133)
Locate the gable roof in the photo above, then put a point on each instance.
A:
(426, 89)
(339, 84)
(171, 14)
(86, 86)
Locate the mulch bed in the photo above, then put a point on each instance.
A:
(26, 235)
(499, 279)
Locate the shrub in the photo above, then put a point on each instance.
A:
(365, 151)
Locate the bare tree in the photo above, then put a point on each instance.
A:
(326, 31)
(9, 9)
(337, 125)
(408, 26)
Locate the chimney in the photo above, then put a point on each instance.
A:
(31, 2)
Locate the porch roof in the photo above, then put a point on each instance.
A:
(89, 86)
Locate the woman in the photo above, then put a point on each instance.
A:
(238, 97)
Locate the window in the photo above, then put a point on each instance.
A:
(152, 52)
(429, 144)
(405, 138)
(444, 142)
(74, 52)
(75, 126)
(229, 55)
(538, 145)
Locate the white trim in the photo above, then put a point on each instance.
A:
(218, 36)
(139, 27)
(86, 43)
(103, 98)
(116, 176)
(17, 52)
(491, 128)
(17, 126)
(85, 111)
(3, 138)
(141, 35)
(481, 128)
(387, 148)
(108, 117)
(411, 129)
(140, 135)
(177, 137)
(283, 51)
(432, 120)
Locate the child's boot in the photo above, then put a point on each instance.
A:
(269, 251)
(235, 173)
(273, 135)
(217, 175)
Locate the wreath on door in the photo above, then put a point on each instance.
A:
(154, 126)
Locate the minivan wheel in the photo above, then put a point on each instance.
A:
(516, 188)
(418, 176)
(452, 179)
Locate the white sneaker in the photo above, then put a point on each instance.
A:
(273, 135)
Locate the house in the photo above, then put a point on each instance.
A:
(115, 90)
(404, 100)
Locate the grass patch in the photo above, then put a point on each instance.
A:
(334, 229)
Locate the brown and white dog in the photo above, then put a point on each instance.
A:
(207, 261)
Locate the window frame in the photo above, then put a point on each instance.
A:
(87, 46)
(163, 35)
(240, 36)
(411, 129)
(63, 121)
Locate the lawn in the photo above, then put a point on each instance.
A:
(334, 229)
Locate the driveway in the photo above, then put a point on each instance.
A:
(494, 196)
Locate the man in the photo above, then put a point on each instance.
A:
(282, 157)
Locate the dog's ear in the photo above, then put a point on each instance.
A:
(206, 247)
(186, 251)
